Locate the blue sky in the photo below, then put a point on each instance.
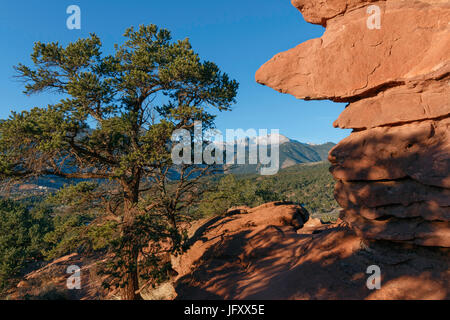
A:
(238, 35)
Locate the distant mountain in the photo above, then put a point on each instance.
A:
(292, 152)
(323, 149)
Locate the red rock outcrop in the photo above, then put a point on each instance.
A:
(269, 253)
(49, 282)
(237, 226)
(393, 171)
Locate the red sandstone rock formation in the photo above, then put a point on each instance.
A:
(269, 253)
(393, 171)
(236, 226)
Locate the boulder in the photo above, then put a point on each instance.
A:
(238, 231)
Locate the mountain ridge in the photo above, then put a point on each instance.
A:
(292, 152)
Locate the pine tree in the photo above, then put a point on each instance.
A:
(113, 123)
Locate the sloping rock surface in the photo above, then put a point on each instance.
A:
(263, 255)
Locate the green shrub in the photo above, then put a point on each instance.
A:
(21, 233)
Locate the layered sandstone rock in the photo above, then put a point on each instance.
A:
(393, 171)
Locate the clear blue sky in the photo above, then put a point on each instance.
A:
(238, 35)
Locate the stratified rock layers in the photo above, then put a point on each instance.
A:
(393, 171)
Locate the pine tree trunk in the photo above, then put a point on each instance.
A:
(130, 291)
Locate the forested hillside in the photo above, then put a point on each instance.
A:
(308, 184)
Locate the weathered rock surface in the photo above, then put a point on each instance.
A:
(398, 105)
(418, 150)
(414, 230)
(383, 193)
(259, 256)
(350, 61)
(49, 282)
(270, 216)
(393, 171)
(319, 12)
(427, 210)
